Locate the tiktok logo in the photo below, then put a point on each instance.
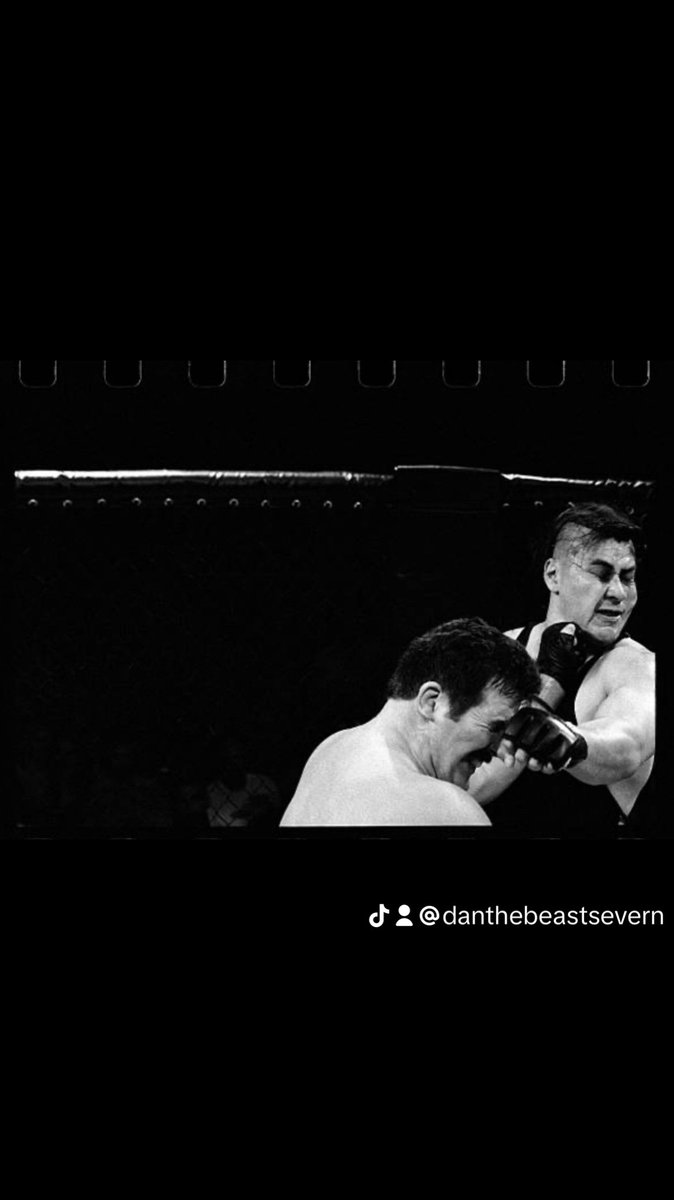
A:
(377, 918)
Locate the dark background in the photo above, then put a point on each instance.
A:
(588, 427)
(156, 625)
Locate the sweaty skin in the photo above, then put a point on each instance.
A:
(404, 767)
(615, 704)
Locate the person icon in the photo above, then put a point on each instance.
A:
(404, 911)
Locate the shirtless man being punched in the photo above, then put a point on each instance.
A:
(448, 703)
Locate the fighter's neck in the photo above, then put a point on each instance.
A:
(555, 613)
(400, 726)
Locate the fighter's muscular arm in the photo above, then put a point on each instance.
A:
(617, 721)
(449, 806)
(620, 733)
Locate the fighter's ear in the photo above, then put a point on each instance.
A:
(551, 575)
(427, 698)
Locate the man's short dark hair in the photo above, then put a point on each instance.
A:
(602, 523)
(464, 657)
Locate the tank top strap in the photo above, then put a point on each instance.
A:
(524, 636)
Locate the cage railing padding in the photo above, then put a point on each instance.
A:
(425, 487)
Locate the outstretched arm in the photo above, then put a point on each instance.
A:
(620, 734)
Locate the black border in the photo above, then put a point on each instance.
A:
(323, 889)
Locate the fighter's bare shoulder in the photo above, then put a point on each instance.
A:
(435, 802)
(332, 742)
(626, 659)
(628, 662)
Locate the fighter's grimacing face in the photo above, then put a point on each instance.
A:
(594, 586)
(460, 746)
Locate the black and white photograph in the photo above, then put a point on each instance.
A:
(295, 607)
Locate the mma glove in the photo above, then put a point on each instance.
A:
(546, 738)
(563, 651)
